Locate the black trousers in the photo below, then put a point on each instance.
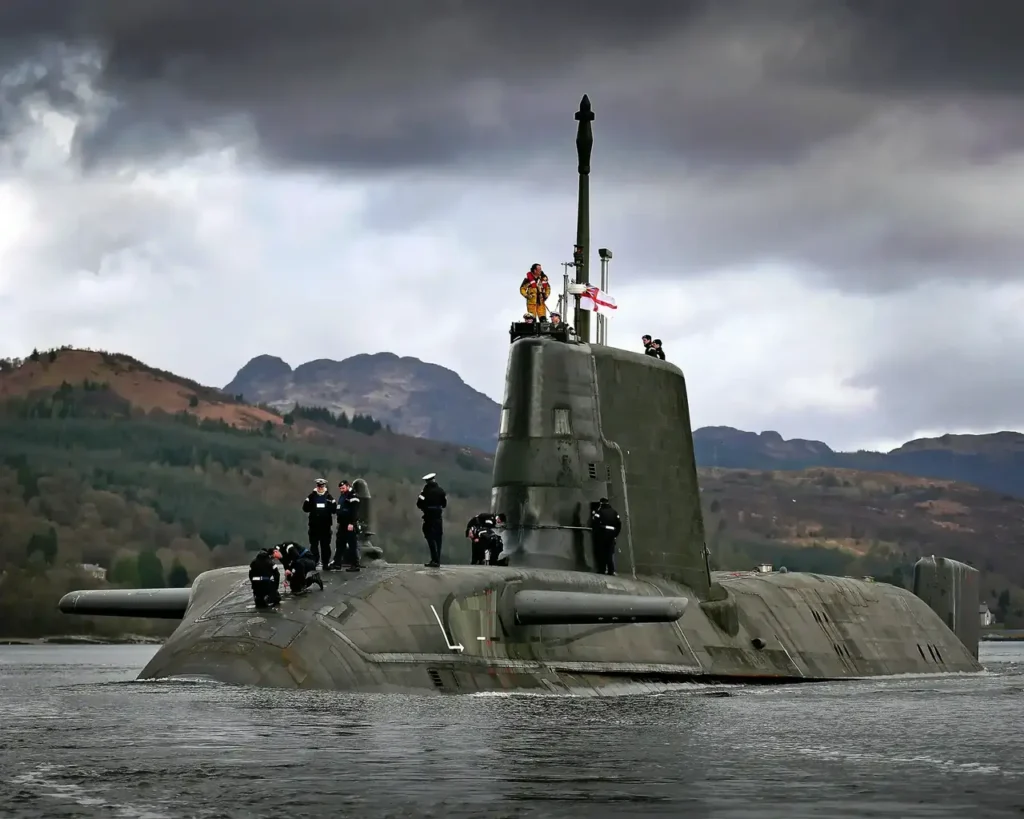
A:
(604, 554)
(347, 547)
(490, 542)
(477, 557)
(265, 594)
(303, 574)
(320, 544)
(433, 531)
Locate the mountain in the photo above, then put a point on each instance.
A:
(411, 396)
(154, 478)
(994, 461)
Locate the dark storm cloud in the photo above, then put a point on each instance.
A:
(389, 82)
(938, 45)
(827, 134)
(372, 82)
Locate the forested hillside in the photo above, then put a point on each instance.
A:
(155, 498)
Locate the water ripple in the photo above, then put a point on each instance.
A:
(81, 738)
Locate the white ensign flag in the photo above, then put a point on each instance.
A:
(597, 301)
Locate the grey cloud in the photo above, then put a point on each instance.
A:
(974, 387)
(386, 83)
(853, 139)
(366, 83)
(81, 230)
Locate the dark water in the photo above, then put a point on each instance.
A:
(79, 739)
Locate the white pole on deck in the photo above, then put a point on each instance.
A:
(602, 321)
(564, 298)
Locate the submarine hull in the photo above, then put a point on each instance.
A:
(454, 630)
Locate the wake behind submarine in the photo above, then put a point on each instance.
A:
(569, 434)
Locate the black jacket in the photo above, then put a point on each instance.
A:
(485, 520)
(293, 554)
(264, 568)
(347, 508)
(431, 501)
(656, 352)
(320, 509)
(605, 522)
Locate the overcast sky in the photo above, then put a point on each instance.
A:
(818, 205)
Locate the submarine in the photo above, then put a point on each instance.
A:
(579, 421)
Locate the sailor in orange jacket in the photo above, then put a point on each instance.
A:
(535, 289)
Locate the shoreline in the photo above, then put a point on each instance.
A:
(1011, 636)
(82, 639)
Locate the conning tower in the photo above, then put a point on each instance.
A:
(580, 422)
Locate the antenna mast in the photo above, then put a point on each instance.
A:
(581, 253)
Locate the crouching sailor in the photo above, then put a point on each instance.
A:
(265, 580)
(486, 542)
(605, 526)
(299, 568)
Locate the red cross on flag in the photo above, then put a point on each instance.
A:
(597, 301)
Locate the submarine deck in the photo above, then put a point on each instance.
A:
(454, 629)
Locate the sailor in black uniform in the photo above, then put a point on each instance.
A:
(319, 505)
(486, 542)
(347, 551)
(299, 568)
(265, 580)
(605, 526)
(432, 502)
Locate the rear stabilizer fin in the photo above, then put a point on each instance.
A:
(951, 589)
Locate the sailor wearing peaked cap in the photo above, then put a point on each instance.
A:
(432, 502)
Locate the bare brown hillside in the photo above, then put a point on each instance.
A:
(146, 388)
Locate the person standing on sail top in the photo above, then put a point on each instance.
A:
(535, 289)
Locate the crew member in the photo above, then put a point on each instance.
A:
(486, 543)
(605, 526)
(347, 551)
(319, 505)
(660, 353)
(299, 568)
(432, 502)
(535, 289)
(265, 580)
(561, 326)
(648, 346)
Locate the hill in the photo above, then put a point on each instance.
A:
(412, 397)
(840, 521)
(94, 471)
(994, 461)
(144, 388)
